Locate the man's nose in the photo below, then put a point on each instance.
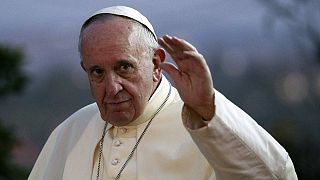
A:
(113, 85)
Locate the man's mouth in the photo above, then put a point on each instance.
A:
(118, 104)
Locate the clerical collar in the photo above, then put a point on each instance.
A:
(160, 85)
(154, 102)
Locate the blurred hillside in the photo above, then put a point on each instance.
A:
(12, 81)
(36, 113)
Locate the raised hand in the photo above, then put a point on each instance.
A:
(191, 76)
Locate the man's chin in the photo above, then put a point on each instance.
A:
(118, 119)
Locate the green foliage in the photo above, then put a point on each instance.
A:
(302, 147)
(12, 79)
(9, 170)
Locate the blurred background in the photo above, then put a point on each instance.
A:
(264, 56)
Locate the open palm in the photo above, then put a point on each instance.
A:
(191, 76)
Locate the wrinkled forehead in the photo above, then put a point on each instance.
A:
(112, 37)
(108, 28)
(110, 32)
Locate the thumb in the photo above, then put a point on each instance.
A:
(172, 71)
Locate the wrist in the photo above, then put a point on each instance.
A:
(207, 111)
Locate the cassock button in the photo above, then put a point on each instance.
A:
(115, 162)
(117, 143)
(123, 130)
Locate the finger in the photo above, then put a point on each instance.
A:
(194, 56)
(165, 45)
(172, 71)
(182, 44)
(189, 60)
(168, 41)
(178, 44)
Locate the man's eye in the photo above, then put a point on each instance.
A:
(125, 67)
(96, 72)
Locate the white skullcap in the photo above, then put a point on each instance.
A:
(129, 13)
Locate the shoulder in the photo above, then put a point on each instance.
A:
(81, 116)
(67, 134)
(79, 120)
(61, 142)
(71, 129)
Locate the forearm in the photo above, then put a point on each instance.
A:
(236, 146)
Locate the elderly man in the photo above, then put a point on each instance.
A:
(141, 127)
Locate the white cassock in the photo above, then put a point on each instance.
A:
(232, 146)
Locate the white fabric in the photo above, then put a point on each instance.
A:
(232, 146)
(127, 12)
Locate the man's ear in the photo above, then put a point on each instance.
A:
(158, 57)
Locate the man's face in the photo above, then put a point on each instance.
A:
(121, 75)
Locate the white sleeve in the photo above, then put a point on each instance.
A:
(236, 146)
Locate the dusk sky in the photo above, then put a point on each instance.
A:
(49, 29)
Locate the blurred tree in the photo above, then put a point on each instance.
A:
(12, 80)
(8, 169)
(302, 20)
(301, 146)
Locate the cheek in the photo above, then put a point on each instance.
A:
(144, 89)
(138, 91)
(97, 92)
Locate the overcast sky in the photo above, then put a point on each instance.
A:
(48, 28)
